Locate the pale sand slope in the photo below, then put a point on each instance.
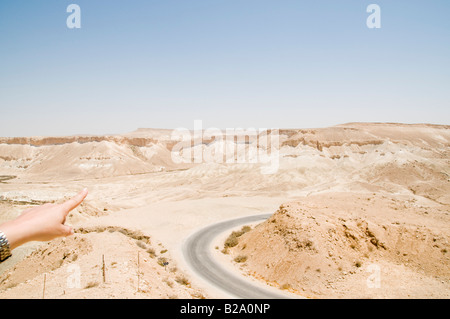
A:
(392, 177)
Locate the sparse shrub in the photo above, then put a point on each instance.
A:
(308, 243)
(173, 269)
(151, 252)
(182, 280)
(232, 240)
(162, 261)
(240, 259)
(245, 229)
(285, 286)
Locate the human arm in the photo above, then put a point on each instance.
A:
(41, 223)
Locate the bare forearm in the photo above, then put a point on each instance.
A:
(41, 223)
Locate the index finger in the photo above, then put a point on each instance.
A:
(75, 201)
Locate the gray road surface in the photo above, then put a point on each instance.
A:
(196, 251)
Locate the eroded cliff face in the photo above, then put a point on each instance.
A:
(52, 141)
(83, 156)
(347, 149)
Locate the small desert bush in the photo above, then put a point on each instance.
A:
(182, 280)
(151, 252)
(162, 261)
(232, 240)
(240, 259)
(285, 286)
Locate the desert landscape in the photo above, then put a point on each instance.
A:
(358, 210)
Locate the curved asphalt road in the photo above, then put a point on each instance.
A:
(196, 251)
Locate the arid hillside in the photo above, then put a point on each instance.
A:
(351, 203)
(352, 245)
(84, 156)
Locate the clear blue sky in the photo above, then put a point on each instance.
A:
(230, 63)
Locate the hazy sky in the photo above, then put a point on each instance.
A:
(230, 63)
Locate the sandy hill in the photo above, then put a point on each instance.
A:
(332, 246)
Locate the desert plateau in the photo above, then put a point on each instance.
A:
(357, 210)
